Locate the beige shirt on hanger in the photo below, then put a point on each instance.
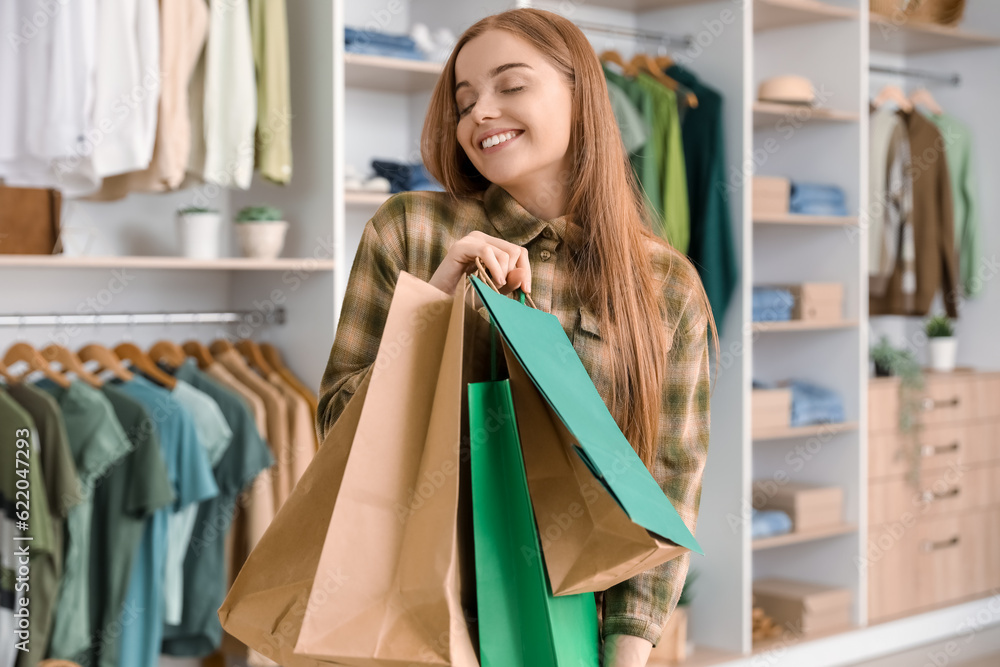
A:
(303, 442)
(277, 418)
(219, 372)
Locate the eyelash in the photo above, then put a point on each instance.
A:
(466, 110)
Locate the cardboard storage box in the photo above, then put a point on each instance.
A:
(816, 302)
(809, 506)
(804, 607)
(771, 195)
(770, 410)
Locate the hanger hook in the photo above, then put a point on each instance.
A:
(21, 321)
(129, 330)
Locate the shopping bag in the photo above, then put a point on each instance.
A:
(521, 623)
(392, 538)
(601, 516)
(283, 576)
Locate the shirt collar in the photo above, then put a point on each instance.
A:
(519, 226)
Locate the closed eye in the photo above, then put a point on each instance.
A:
(462, 112)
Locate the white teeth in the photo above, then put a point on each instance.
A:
(497, 139)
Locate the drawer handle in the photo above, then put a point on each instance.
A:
(930, 496)
(933, 403)
(935, 450)
(929, 545)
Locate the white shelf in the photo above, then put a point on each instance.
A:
(804, 431)
(798, 537)
(171, 263)
(806, 220)
(908, 38)
(803, 325)
(363, 198)
(643, 5)
(389, 74)
(774, 14)
(770, 113)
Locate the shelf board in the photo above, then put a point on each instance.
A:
(907, 38)
(804, 431)
(363, 198)
(769, 113)
(802, 325)
(643, 5)
(806, 220)
(702, 656)
(773, 14)
(179, 263)
(804, 536)
(399, 75)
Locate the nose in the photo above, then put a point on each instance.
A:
(485, 109)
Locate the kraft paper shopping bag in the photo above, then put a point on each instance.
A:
(393, 533)
(601, 516)
(522, 624)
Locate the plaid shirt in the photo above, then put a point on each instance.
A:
(412, 232)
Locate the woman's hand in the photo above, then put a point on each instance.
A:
(626, 651)
(506, 262)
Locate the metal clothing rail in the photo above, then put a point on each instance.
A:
(275, 316)
(952, 79)
(648, 35)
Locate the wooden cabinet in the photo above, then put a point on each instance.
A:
(934, 497)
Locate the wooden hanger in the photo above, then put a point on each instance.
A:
(663, 62)
(643, 62)
(35, 361)
(611, 56)
(251, 352)
(168, 352)
(106, 360)
(923, 98)
(5, 374)
(200, 353)
(274, 358)
(131, 352)
(893, 94)
(220, 346)
(70, 362)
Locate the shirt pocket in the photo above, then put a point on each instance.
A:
(592, 350)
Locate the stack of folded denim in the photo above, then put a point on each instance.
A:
(405, 177)
(812, 404)
(767, 523)
(375, 43)
(772, 304)
(817, 199)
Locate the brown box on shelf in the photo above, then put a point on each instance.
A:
(802, 606)
(771, 195)
(810, 506)
(816, 302)
(770, 409)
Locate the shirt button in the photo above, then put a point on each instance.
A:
(548, 233)
(546, 255)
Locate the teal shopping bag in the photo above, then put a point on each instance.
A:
(602, 516)
(521, 623)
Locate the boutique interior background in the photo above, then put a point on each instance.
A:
(350, 109)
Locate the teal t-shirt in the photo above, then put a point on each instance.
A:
(191, 479)
(97, 441)
(199, 633)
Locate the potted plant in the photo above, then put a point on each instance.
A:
(198, 232)
(894, 362)
(942, 345)
(260, 231)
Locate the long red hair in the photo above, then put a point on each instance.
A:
(613, 269)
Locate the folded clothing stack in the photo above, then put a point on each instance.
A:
(405, 177)
(812, 404)
(767, 523)
(772, 304)
(375, 43)
(817, 199)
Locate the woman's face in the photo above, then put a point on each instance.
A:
(507, 90)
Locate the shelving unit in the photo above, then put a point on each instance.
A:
(804, 431)
(796, 537)
(806, 220)
(170, 263)
(389, 74)
(890, 36)
(774, 14)
(771, 113)
(802, 325)
(368, 199)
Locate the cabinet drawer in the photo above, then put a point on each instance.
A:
(947, 399)
(892, 570)
(939, 492)
(983, 438)
(941, 556)
(892, 454)
(987, 404)
(883, 405)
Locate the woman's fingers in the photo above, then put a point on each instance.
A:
(496, 263)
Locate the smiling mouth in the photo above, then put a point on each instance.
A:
(498, 141)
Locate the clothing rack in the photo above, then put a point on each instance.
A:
(276, 316)
(647, 35)
(952, 79)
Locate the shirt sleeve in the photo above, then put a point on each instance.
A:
(376, 267)
(640, 606)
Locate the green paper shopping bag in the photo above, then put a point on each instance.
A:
(601, 516)
(521, 623)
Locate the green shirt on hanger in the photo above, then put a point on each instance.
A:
(62, 488)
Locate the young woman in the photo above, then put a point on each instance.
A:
(521, 134)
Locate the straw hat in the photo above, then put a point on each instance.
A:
(57, 663)
(787, 89)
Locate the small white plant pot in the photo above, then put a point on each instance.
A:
(261, 240)
(941, 353)
(199, 235)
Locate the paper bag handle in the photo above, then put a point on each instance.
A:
(484, 275)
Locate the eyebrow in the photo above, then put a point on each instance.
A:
(495, 72)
